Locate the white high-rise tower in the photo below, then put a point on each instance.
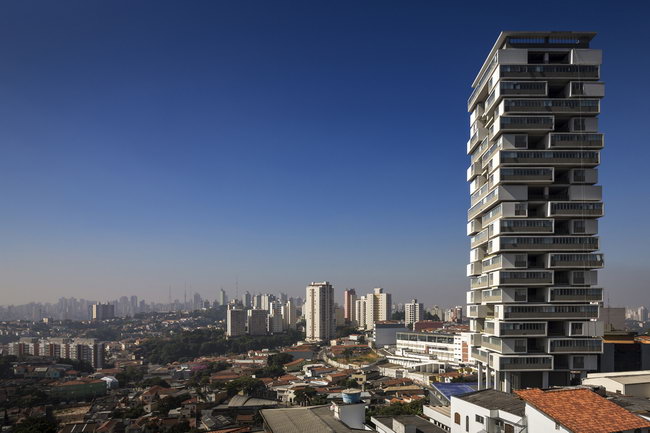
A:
(319, 312)
(534, 148)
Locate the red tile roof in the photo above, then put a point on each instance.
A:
(582, 410)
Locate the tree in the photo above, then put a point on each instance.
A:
(398, 315)
(36, 425)
(351, 383)
(154, 381)
(347, 354)
(248, 385)
(279, 359)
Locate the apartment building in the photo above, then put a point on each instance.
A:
(413, 312)
(534, 207)
(373, 307)
(349, 310)
(319, 312)
(235, 322)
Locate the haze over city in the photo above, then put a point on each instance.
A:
(274, 145)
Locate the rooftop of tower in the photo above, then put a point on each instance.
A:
(539, 39)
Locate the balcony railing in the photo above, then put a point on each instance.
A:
(479, 355)
(529, 243)
(523, 277)
(575, 208)
(577, 294)
(576, 345)
(575, 139)
(587, 106)
(554, 157)
(525, 123)
(526, 226)
(522, 329)
(526, 174)
(576, 260)
(526, 363)
(551, 312)
(550, 71)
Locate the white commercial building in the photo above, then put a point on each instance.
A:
(534, 207)
(319, 312)
(628, 383)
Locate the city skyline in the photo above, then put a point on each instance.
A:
(192, 155)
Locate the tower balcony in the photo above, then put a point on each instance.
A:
(580, 158)
(505, 124)
(574, 260)
(518, 329)
(542, 243)
(522, 362)
(546, 311)
(521, 278)
(556, 106)
(474, 268)
(581, 140)
(505, 261)
(505, 295)
(581, 72)
(575, 294)
(479, 282)
(526, 175)
(574, 209)
(574, 345)
(500, 193)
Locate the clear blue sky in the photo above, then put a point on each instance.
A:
(145, 144)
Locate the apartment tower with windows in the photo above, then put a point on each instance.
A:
(533, 218)
(319, 312)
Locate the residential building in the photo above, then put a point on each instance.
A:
(222, 298)
(413, 312)
(289, 314)
(565, 410)
(101, 311)
(349, 309)
(319, 312)
(373, 307)
(257, 322)
(534, 208)
(235, 322)
(247, 300)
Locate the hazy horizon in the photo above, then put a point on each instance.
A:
(155, 144)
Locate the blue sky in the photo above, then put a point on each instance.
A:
(152, 144)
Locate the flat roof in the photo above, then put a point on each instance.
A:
(523, 34)
(315, 419)
(496, 400)
(420, 424)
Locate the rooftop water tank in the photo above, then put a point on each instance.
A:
(351, 395)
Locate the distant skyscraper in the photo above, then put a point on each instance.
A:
(319, 312)
(235, 322)
(257, 323)
(413, 312)
(535, 147)
(247, 300)
(289, 314)
(101, 311)
(222, 299)
(349, 299)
